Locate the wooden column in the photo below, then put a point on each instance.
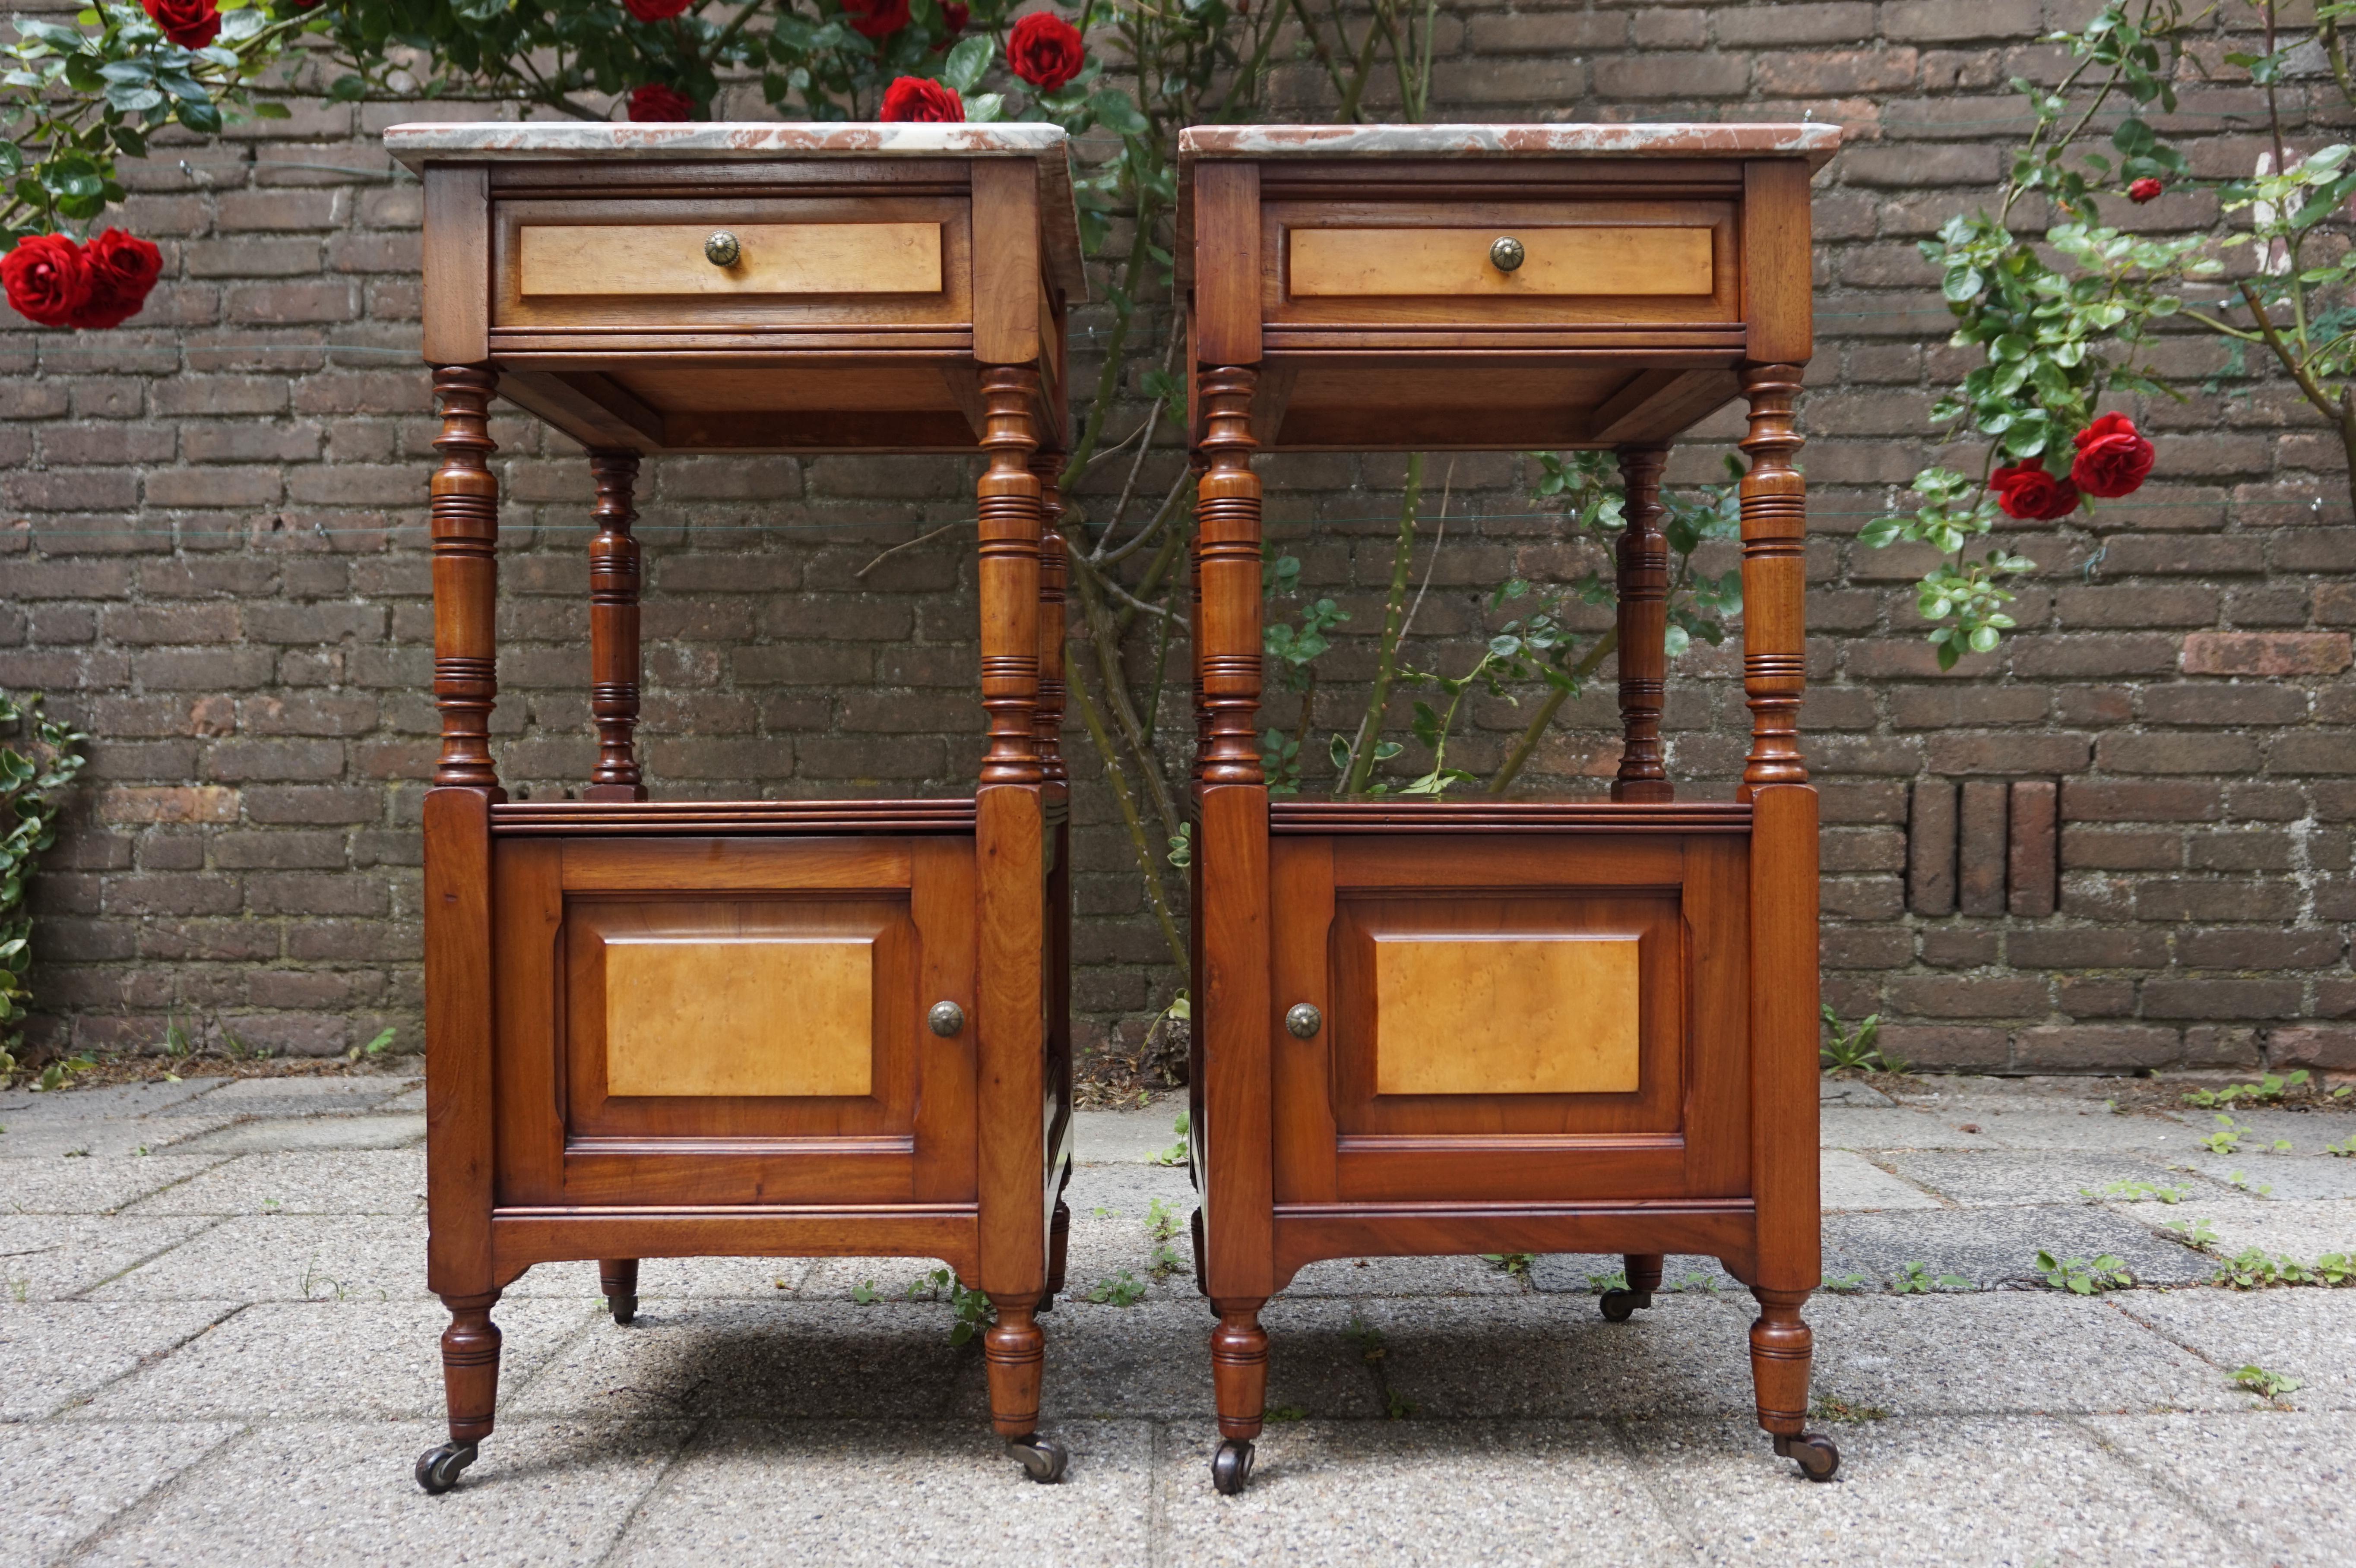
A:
(1644, 571)
(1009, 848)
(466, 529)
(614, 662)
(1232, 917)
(465, 511)
(1774, 578)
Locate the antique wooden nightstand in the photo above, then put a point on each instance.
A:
(1501, 1027)
(794, 1027)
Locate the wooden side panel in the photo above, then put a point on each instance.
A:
(459, 999)
(1005, 261)
(1492, 1015)
(772, 259)
(528, 918)
(1238, 1017)
(1226, 263)
(457, 265)
(1011, 867)
(693, 1017)
(1777, 263)
(1375, 263)
(1301, 924)
(941, 904)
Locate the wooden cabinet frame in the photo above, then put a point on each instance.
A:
(1712, 1146)
(926, 938)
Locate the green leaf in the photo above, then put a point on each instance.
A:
(1114, 111)
(967, 63)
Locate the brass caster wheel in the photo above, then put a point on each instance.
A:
(1617, 1304)
(624, 1307)
(1231, 1466)
(1813, 1453)
(1042, 1458)
(437, 1469)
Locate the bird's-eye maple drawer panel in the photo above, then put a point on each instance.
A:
(1482, 264)
(734, 1020)
(1542, 1016)
(705, 265)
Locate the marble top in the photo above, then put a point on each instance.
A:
(512, 141)
(1812, 140)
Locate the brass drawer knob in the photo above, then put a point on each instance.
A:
(1302, 1021)
(947, 1019)
(723, 249)
(1506, 254)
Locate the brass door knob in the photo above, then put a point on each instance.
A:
(723, 249)
(945, 1019)
(1302, 1021)
(1506, 254)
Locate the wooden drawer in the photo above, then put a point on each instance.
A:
(860, 262)
(1601, 263)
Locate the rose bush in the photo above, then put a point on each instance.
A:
(656, 103)
(876, 18)
(121, 269)
(44, 280)
(191, 24)
(2114, 458)
(913, 98)
(1046, 50)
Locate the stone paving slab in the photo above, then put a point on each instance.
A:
(53, 1353)
(2306, 1332)
(319, 1496)
(339, 1182)
(286, 1257)
(307, 1096)
(2005, 1353)
(282, 1134)
(66, 1482)
(1127, 1137)
(2089, 1128)
(809, 1492)
(2302, 1514)
(2291, 1178)
(1575, 1274)
(2008, 1178)
(831, 1359)
(95, 1186)
(100, 1138)
(1892, 1127)
(1556, 1358)
(27, 1107)
(291, 1360)
(47, 1257)
(1847, 1182)
(2016, 1492)
(1351, 1493)
(2303, 1230)
(2000, 1246)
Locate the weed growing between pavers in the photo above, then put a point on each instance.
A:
(2107, 1271)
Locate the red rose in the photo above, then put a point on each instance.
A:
(2026, 490)
(954, 17)
(877, 18)
(654, 101)
(1046, 50)
(46, 279)
(914, 98)
(191, 24)
(657, 10)
(2144, 189)
(121, 268)
(2114, 459)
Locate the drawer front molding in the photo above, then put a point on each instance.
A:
(1384, 263)
(557, 261)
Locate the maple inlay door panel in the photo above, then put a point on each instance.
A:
(1498, 1014)
(702, 1016)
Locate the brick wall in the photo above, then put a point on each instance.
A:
(2124, 841)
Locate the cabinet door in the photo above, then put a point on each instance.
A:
(1547, 1018)
(734, 1020)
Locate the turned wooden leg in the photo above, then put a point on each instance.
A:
(1239, 1386)
(1780, 1349)
(470, 1381)
(1016, 1352)
(1644, 1270)
(618, 1279)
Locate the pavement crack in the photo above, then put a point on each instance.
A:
(679, 1455)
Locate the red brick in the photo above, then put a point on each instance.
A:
(2266, 653)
